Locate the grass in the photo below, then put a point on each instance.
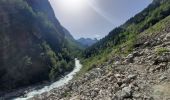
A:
(149, 26)
(157, 28)
(161, 50)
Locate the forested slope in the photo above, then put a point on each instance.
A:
(122, 39)
(32, 44)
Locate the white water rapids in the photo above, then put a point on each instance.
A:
(56, 84)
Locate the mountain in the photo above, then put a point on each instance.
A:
(123, 39)
(32, 44)
(72, 44)
(131, 63)
(87, 42)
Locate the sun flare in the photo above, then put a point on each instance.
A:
(73, 5)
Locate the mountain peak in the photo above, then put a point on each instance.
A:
(87, 42)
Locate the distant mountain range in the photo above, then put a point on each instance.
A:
(87, 42)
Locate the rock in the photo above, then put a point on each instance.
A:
(123, 85)
(167, 37)
(146, 43)
(162, 66)
(93, 94)
(129, 58)
(136, 53)
(117, 63)
(163, 58)
(126, 92)
(132, 80)
(136, 95)
(162, 78)
(110, 61)
(118, 75)
(131, 76)
(119, 83)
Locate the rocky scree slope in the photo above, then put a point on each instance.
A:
(121, 40)
(142, 75)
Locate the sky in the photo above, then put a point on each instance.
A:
(95, 18)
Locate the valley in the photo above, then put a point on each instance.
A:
(41, 60)
(141, 75)
(63, 81)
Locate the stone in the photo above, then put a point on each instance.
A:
(93, 94)
(136, 53)
(146, 43)
(117, 63)
(136, 95)
(118, 75)
(162, 78)
(167, 37)
(129, 58)
(131, 76)
(126, 92)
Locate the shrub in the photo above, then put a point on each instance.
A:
(161, 51)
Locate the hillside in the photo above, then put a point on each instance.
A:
(32, 42)
(131, 63)
(87, 42)
(72, 44)
(143, 74)
(121, 40)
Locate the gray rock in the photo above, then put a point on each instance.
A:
(117, 63)
(167, 37)
(129, 58)
(136, 53)
(126, 92)
(131, 76)
(162, 78)
(136, 95)
(118, 75)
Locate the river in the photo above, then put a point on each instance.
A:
(56, 84)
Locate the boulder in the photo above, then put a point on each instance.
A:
(131, 76)
(167, 37)
(129, 58)
(126, 92)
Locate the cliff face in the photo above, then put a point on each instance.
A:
(31, 44)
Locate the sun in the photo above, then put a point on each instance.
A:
(73, 5)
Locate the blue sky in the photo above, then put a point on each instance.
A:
(95, 18)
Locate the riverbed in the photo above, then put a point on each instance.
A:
(59, 83)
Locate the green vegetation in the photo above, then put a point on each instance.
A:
(32, 44)
(74, 47)
(161, 51)
(121, 40)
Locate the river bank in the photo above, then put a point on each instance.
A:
(31, 91)
(56, 84)
(141, 75)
